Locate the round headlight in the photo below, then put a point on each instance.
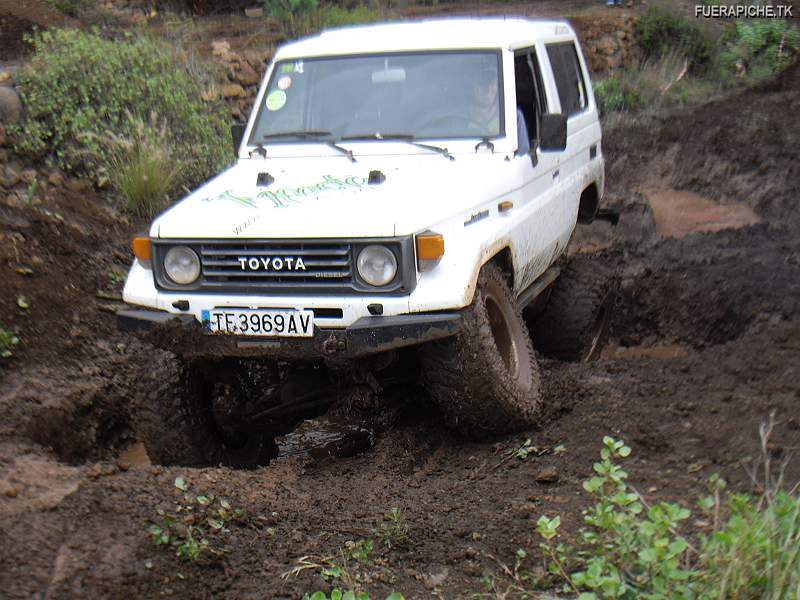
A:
(182, 265)
(377, 265)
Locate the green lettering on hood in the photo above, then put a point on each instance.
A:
(284, 197)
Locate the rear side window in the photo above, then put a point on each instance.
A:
(569, 77)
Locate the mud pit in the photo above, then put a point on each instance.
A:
(723, 304)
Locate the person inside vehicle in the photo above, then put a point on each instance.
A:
(485, 112)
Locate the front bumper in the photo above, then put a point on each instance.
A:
(184, 335)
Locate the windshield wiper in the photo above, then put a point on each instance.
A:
(314, 136)
(400, 137)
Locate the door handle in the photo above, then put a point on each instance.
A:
(556, 173)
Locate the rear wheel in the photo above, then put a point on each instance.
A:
(185, 413)
(486, 379)
(574, 324)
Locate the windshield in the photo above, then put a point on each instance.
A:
(433, 95)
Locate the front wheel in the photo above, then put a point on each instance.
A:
(182, 415)
(486, 379)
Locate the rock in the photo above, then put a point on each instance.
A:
(233, 90)
(11, 177)
(56, 179)
(28, 176)
(547, 475)
(254, 12)
(76, 185)
(3, 136)
(220, 47)
(246, 75)
(258, 59)
(10, 105)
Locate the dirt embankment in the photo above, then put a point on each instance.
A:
(739, 148)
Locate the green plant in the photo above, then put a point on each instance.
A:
(631, 550)
(79, 85)
(394, 530)
(139, 166)
(332, 569)
(7, 341)
(293, 15)
(661, 31)
(195, 526)
(762, 46)
(116, 278)
(302, 17)
(756, 552)
(70, 7)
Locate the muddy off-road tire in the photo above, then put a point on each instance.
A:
(486, 379)
(574, 324)
(177, 424)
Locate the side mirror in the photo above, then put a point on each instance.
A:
(237, 133)
(554, 133)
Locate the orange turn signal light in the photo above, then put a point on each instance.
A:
(142, 248)
(430, 246)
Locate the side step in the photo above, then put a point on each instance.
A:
(530, 293)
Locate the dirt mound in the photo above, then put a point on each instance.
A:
(18, 18)
(742, 147)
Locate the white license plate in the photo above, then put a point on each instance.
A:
(261, 322)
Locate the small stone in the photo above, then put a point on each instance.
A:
(76, 186)
(247, 75)
(233, 90)
(28, 176)
(56, 179)
(547, 475)
(11, 177)
(254, 12)
(10, 105)
(220, 47)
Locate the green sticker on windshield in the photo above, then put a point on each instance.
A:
(276, 100)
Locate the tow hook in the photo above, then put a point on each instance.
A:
(330, 346)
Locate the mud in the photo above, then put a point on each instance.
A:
(703, 348)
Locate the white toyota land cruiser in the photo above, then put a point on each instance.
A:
(397, 185)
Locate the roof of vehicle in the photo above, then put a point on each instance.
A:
(433, 34)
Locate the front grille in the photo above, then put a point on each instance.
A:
(327, 265)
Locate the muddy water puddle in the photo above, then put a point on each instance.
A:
(325, 437)
(679, 213)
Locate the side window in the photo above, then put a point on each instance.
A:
(531, 100)
(569, 77)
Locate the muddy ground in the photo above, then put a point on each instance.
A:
(703, 348)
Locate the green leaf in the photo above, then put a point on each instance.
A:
(215, 523)
(181, 484)
(336, 594)
(395, 596)
(22, 302)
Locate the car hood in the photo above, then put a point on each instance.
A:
(301, 198)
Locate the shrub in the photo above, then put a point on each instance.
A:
(630, 550)
(70, 7)
(765, 46)
(293, 15)
(303, 17)
(140, 167)
(661, 31)
(612, 97)
(79, 86)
